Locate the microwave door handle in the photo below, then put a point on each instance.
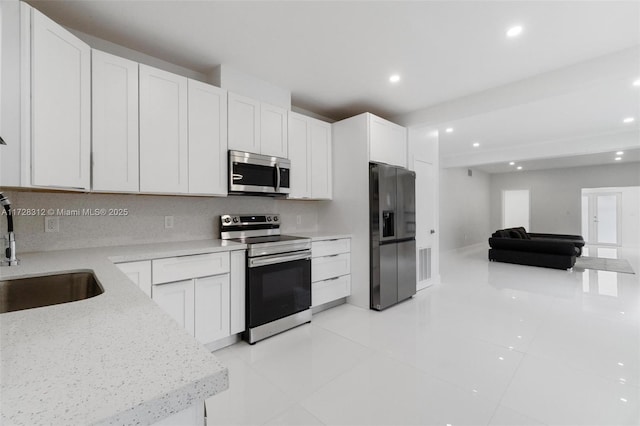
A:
(277, 177)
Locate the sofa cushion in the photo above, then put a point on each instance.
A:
(513, 233)
(523, 233)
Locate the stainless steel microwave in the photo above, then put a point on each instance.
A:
(256, 174)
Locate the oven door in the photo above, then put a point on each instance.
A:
(277, 286)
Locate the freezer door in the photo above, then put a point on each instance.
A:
(406, 204)
(406, 269)
(384, 276)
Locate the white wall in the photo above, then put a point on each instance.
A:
(464, 208)
(556, 194)
(195, 218)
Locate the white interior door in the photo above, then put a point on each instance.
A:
(601, 218)
(515, 208)
(425, 225)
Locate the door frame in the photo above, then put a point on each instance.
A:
(591, 195)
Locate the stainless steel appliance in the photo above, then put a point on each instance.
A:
(257, 174)
(278, 285)
(393, 230)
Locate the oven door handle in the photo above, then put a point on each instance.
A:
(272, 260)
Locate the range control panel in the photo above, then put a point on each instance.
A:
(249, 220)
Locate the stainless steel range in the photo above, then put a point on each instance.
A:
(278, 274)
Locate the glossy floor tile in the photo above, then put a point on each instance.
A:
(491, 344)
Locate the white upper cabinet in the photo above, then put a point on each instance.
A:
(299, 155)
(320, 159)
(387, 142)
(207, 139)
(310, 155)
(273, 130)
(60, 106)
(257, 127)
(114, 123)
(244, 123)
(163, 132)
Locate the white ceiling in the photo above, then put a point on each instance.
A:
(629, 156)
(336, 56)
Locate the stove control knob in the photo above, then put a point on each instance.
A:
(268, 218)
(226, 219)
(275, 218)
(235, 220)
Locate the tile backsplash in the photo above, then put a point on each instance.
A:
(84, 219)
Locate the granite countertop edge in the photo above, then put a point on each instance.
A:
(128, 360)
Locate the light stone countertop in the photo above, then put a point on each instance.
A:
(320, 236)
(116, 358)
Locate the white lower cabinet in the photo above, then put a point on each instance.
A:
(238, 292)
(212, 305)
(177, 300)
(204, 293)
(139, 273)
(330, 270)
(331, 289)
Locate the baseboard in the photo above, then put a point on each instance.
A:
(328, 305)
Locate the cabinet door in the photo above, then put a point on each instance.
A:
(299, 133)
(238, 291)
(244, 123)
(139, 273)
(60, 106)
(273, 131)
(163, 132)
(114, 123)
(387, 142)
(212, 308)
(320, 159)
(177, 300)
(207, 139)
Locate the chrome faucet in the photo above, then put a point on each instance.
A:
(10, 250)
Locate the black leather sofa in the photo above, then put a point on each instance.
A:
(515, 245)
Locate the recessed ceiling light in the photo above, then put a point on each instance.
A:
(620, 153)
(519, 168)
(476, 144)
(394, 78)
(514, 31)
(637, 83)
(449, 129)
(618, 158)
(629, 120)
(511, 163)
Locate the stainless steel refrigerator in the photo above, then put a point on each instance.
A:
(392, 223)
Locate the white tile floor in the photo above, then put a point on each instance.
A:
(493, 344)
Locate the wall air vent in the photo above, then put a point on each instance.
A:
(424, 259)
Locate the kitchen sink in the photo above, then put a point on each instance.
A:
(46, 290)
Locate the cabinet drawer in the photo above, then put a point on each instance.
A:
(329, 290)
(185, 267)
(329, 247)
(323, 268)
